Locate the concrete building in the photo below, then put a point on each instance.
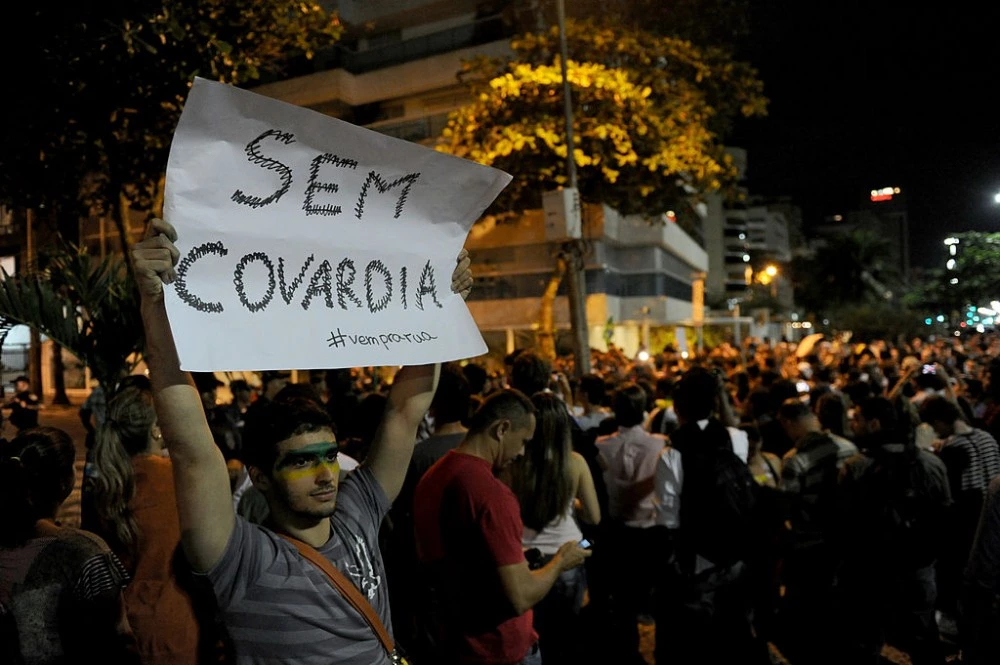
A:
(396, 72)
(638, 275)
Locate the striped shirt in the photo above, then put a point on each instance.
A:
(973, 460)
(279, 608)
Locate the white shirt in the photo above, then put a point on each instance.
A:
(630, 457)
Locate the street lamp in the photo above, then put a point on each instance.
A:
(996, 198)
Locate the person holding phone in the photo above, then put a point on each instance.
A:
(555, 489)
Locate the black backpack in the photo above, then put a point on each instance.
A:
(718, 498)
(901, 508)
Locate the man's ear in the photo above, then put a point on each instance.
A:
(259, 479)
(500, 429)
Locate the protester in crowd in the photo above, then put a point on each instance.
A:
(979, 623)
(809, 477)
(705, 615)
(630, 544)
(137, 510)
(662, 419)
(892, 500)
(469, 541)
(590, 396)
(260, 575)
(972, 458)
(60, 588)
(23, 405)
(555, 490)
(450, 408)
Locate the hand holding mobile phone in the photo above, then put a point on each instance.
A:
(585, 544)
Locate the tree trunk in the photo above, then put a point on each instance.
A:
(546, 324)
(58, 376)
(35, 362)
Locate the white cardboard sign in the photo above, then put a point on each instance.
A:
(308, 242)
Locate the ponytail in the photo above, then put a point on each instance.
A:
(124, 433)
(114, 488)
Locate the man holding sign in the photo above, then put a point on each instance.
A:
(325, 243)
(277, 605)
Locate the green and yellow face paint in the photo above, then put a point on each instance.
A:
(308, 462)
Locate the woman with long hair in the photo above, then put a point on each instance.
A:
(60, 588)
(554, 487)
(135, 504)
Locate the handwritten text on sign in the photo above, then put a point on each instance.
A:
(307, 242)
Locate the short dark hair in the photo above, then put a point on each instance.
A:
(938, 409)
(832, 413)
(629, 405)
(451, 399)
(695, 394)
(592, 386)
(476, 375)
(531, 373)
(508, 404)
(888, 416)
(793, 410)
(277, 420)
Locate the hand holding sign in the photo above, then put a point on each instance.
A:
(321, 244)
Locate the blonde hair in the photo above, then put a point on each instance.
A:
(124, 434)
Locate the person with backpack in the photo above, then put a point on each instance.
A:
(891, 505)
(704, 615)
(808, 566)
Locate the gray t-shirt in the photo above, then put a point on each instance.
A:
(280, 608)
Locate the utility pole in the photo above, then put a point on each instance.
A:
(572, 250)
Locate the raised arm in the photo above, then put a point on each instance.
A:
(409, 398)
(204, 500)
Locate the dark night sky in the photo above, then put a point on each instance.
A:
(864, 95)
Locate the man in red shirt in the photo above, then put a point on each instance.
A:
(468, 531)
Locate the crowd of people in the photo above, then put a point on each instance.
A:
(757, 498)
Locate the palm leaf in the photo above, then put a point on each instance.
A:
(87, 306)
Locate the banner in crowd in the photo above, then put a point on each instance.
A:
(309, 242)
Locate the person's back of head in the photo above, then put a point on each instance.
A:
(695, 395)
(832, 413)
(128, 431)
(797, 418)
(451, 400)
(477, 377)
(593, 389)
(629, 405)
(509, 405)
(530, 373)
(36, 477)
(781, 391)
(541, 478)
(306, 391)
(275, 421)
(938, 409)
(891, 426)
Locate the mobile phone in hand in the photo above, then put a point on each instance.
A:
(585, 544)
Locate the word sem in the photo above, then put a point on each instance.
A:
(336, 286)
(315, 186)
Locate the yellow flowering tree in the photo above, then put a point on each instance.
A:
(650, 115)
